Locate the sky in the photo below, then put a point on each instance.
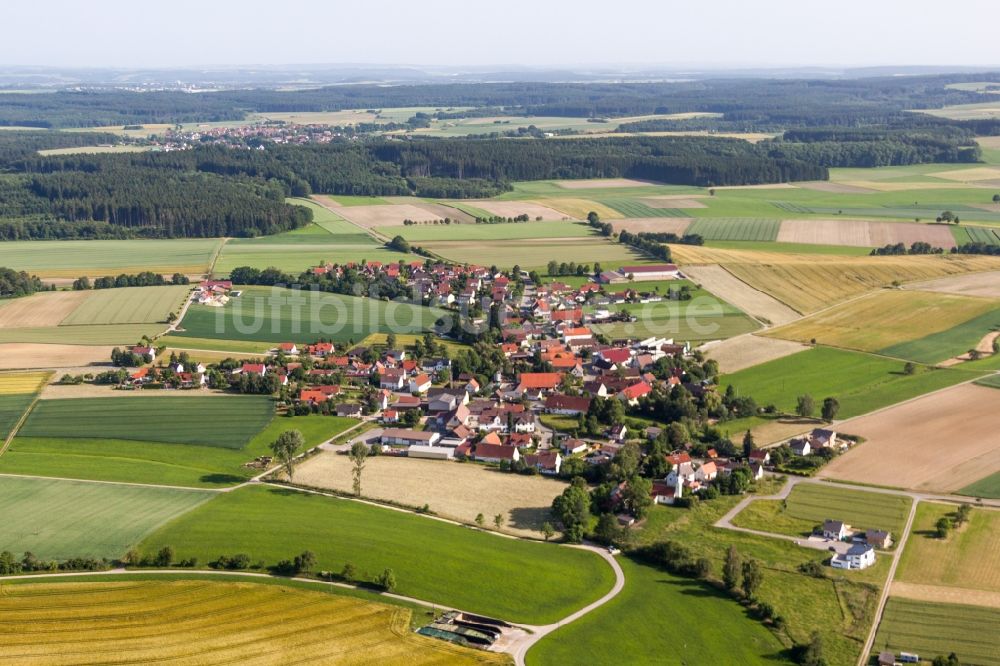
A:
(450, 33)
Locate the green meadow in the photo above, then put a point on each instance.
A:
(436, 561)
(932, 629)
(158, 462)
(809, 504)
(302, 316)
(56, 519)
(860, 382)
(680, 619)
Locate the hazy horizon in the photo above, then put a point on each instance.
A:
(448, 34)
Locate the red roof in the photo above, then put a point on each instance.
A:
(616, 355)
(567, 315)
(678, 458)
(579, 404)
(540, 380)
(257, 368)
(637, 390)
(497, 451)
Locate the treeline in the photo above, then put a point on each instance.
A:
(786, 102)
(18, 283)
(144, 279)
(919, 247)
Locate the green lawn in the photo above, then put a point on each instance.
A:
(987, 487)
(287, 315)
(236, 347)
(57, 519)
(847, 603)
(931, 629)
(158, 462)
(861, 382)
(679, 620)
(436, 561)
(222, 421)
(947, 344)
(808, 505)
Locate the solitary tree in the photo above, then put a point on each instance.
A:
(498, 520)
(942, 527)
(285, 448)
(387, 580)
(996, 198)
(349, 572)
(830, 408)
(480, 519)
(731, 569)
(359, 455)
(909, 368)
(753, 576)
(805, 406)
(547, 530)
(748, 444)
(305, 561)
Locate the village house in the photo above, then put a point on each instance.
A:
(403, 437)
(566, 404)
(878, 539)
(393, 379)
(288, 348)
(420, 383)
(800, 446)
(665, 493)
(349, 409)
(546, 462)
(835, 529)
(858, 556)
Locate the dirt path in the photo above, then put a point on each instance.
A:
(984, 347)
(764, 308)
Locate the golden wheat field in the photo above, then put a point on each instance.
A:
(205, 622)
(809, 282)
(885, 318)
(16, 383)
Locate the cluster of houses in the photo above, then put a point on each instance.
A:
(213, 293)
(861, 553)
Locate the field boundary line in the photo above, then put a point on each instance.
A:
(863, 658)
(214, 259)
(24, 416)
(116, 483)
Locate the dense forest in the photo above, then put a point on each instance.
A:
(786, 102)
(218, 191)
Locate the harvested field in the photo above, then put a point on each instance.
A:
(598, 183)
(188, 622)
(968, 559)
(985, 284)
(579, 208)
(671, 201)
(948, 595)
(723, 284)
(965, 175)
(24, 355)
(452, 490)
(662, 225)
(749, 350)
(806, 282)
(864, 233)
(389, 215)
(41, 309)
(903, 447)
(886, 318)
(514, 208)
(835, 188)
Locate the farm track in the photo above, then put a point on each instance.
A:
(24, 417)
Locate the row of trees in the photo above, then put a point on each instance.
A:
(18, 283)
(144, 279)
